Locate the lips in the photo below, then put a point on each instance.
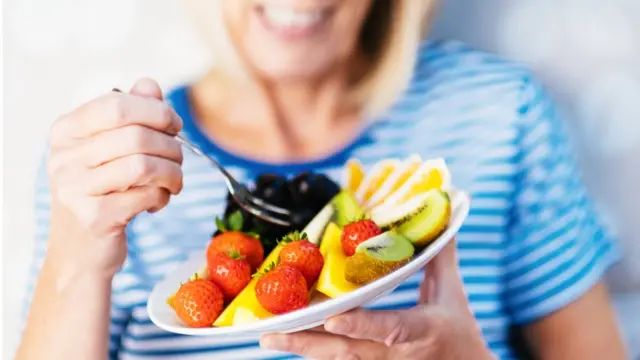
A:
(292, 22)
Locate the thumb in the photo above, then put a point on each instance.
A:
(146, 87)
(442, 277)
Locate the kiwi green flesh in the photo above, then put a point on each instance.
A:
(427, 224)
(378, 257)
(400, 216)
(347, 208)
(388, 246)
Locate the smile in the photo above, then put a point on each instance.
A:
(289, 22)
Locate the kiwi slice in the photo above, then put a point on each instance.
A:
(377, 257)
(315, 228)
(347, 208)
(427, 222)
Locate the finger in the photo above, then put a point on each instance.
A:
(112, 212)
(146, 87)
(112, 111)
(317, 345)
(427, 290)
(443, 270)
(388, 327)
(319, 328)
(132, 171)
(125, 141)
(136, 200)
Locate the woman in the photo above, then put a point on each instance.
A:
(304, 86)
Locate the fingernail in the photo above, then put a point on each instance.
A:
(337, 326)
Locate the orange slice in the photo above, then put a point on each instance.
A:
(403, 172)
(353, 174)
(375, 178)
(433, 174)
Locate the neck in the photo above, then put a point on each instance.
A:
(306, 105)
(292, 114)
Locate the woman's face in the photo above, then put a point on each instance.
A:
(295, 39)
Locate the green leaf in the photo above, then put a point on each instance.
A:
(220, 225)
(235, 221)
(254, 234)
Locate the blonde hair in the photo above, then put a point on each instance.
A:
(391, 37)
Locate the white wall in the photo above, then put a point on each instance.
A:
(60, 53)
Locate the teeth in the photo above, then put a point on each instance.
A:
(285, 16)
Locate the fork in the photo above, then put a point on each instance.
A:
(252, 204)
(241, 194)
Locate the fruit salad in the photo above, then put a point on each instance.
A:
(342, 238)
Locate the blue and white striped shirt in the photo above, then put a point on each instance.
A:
(531, 245)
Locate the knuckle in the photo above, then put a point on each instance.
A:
(440, 326)
(141, 167)
(287, 344)
(399, 332)
(166, 116)
(179, 153)
(161, 196)
(60, 168)
(57, 134)
(138, 137)
(179, 180)
(118, 107)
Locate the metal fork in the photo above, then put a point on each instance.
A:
(240, 193)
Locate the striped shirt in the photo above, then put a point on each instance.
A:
(532, 242)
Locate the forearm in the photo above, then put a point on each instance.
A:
(585, 329)
(69, 316)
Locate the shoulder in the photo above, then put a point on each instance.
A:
(446, 61)
(461, 84)
(464, 76)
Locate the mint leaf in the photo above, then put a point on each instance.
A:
(235, 221)
(220, 225)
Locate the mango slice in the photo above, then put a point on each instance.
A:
(332, 281)
(245, 306)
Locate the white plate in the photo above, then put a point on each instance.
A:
(320, 309)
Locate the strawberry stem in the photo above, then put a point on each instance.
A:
(235, 254)
(293, 236)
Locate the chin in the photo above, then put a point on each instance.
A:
(288, 71)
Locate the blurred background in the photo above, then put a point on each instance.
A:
(60, 53)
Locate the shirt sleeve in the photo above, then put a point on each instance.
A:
(119, 315)
(558, 247)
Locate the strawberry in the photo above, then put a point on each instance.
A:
(303, 255)
(356, 232)
(282, 290)
(230, 271)
(231, 238)
(198, 303)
